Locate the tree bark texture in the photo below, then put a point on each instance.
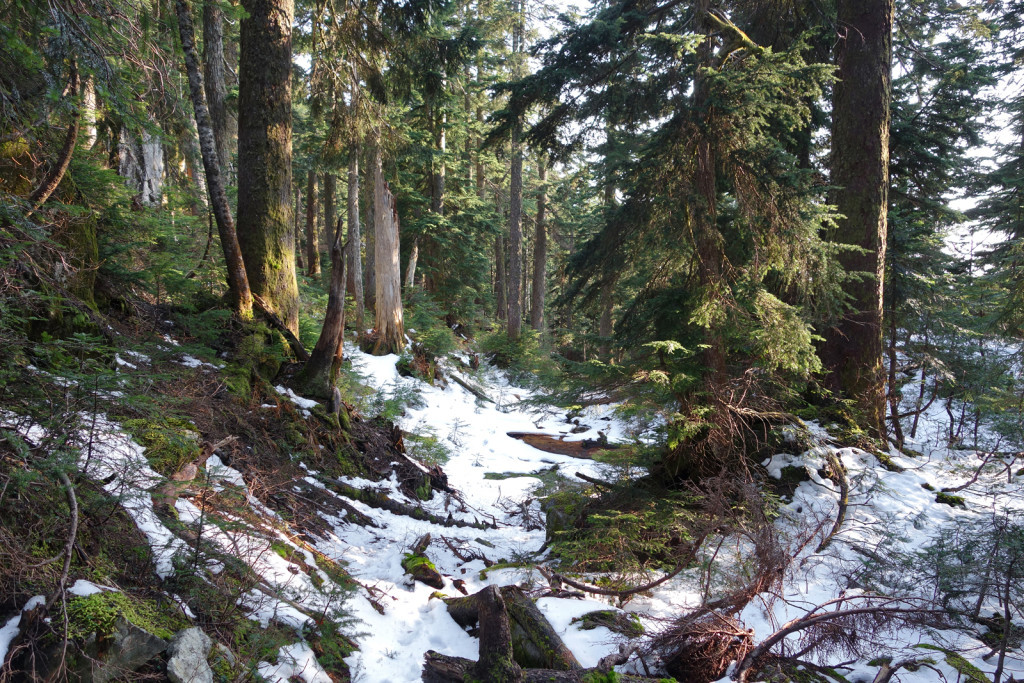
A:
(215, 80)
(330, 188)
(265, 229)
(515, 239)
(389, 325)
(852, 351)
(238, 281)
(320, 373)
(540, 250)
(354, 243)
(370, 289)
(499, 277)
(410, 267)
(312, 241)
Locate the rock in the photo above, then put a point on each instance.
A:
(188, 652)
(132, 647)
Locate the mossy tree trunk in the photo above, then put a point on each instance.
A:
(265, 154)
(852, 351)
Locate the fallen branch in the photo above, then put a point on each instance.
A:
(470, 388)
(381, 501)
(844, 500)
(69, 546)
(814, 618)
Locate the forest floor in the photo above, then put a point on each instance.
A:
(489, 529)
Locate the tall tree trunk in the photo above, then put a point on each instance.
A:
(238, 282)
(299, 264)
(312, 242)
(852, 351)
(389, 326)
(540, 249)
(604, 323)
(703, 212)
(216, 80)
(329, 183)
(410, 266)
(499, 277)
(370, 290)
(264, 156)
(89, 113)
(515, 215)
(353, 251)
(319, 374)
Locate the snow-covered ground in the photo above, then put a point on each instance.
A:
(889, 512)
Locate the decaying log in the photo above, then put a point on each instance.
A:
(534, 642)
(556, 443)
(498, 656)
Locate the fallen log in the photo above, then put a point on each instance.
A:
(498, 656)
(535, 643)
(556, 443)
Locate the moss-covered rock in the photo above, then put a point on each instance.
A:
(619, 622)
(950, 500)
(170, 442)
(423, 570)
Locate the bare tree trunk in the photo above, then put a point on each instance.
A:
(299, 264)
(370, 289)
(354, 256)
(410, 267)
(216, 80)
(389, 326)
(499, 277)
(893, 390)
(329, 184)
(89, 112)
(852, 351)
(238, 282)
(320, 373)
(604, 325)
(265, 154)
(515, 222)
(540, 250)
(312, 243)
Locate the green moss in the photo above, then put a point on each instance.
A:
(170, 442)
(950, 500)
(927, 487)
(411, 562)
(619, 622)
(971, 673)
(98, 613)
(237, 380)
